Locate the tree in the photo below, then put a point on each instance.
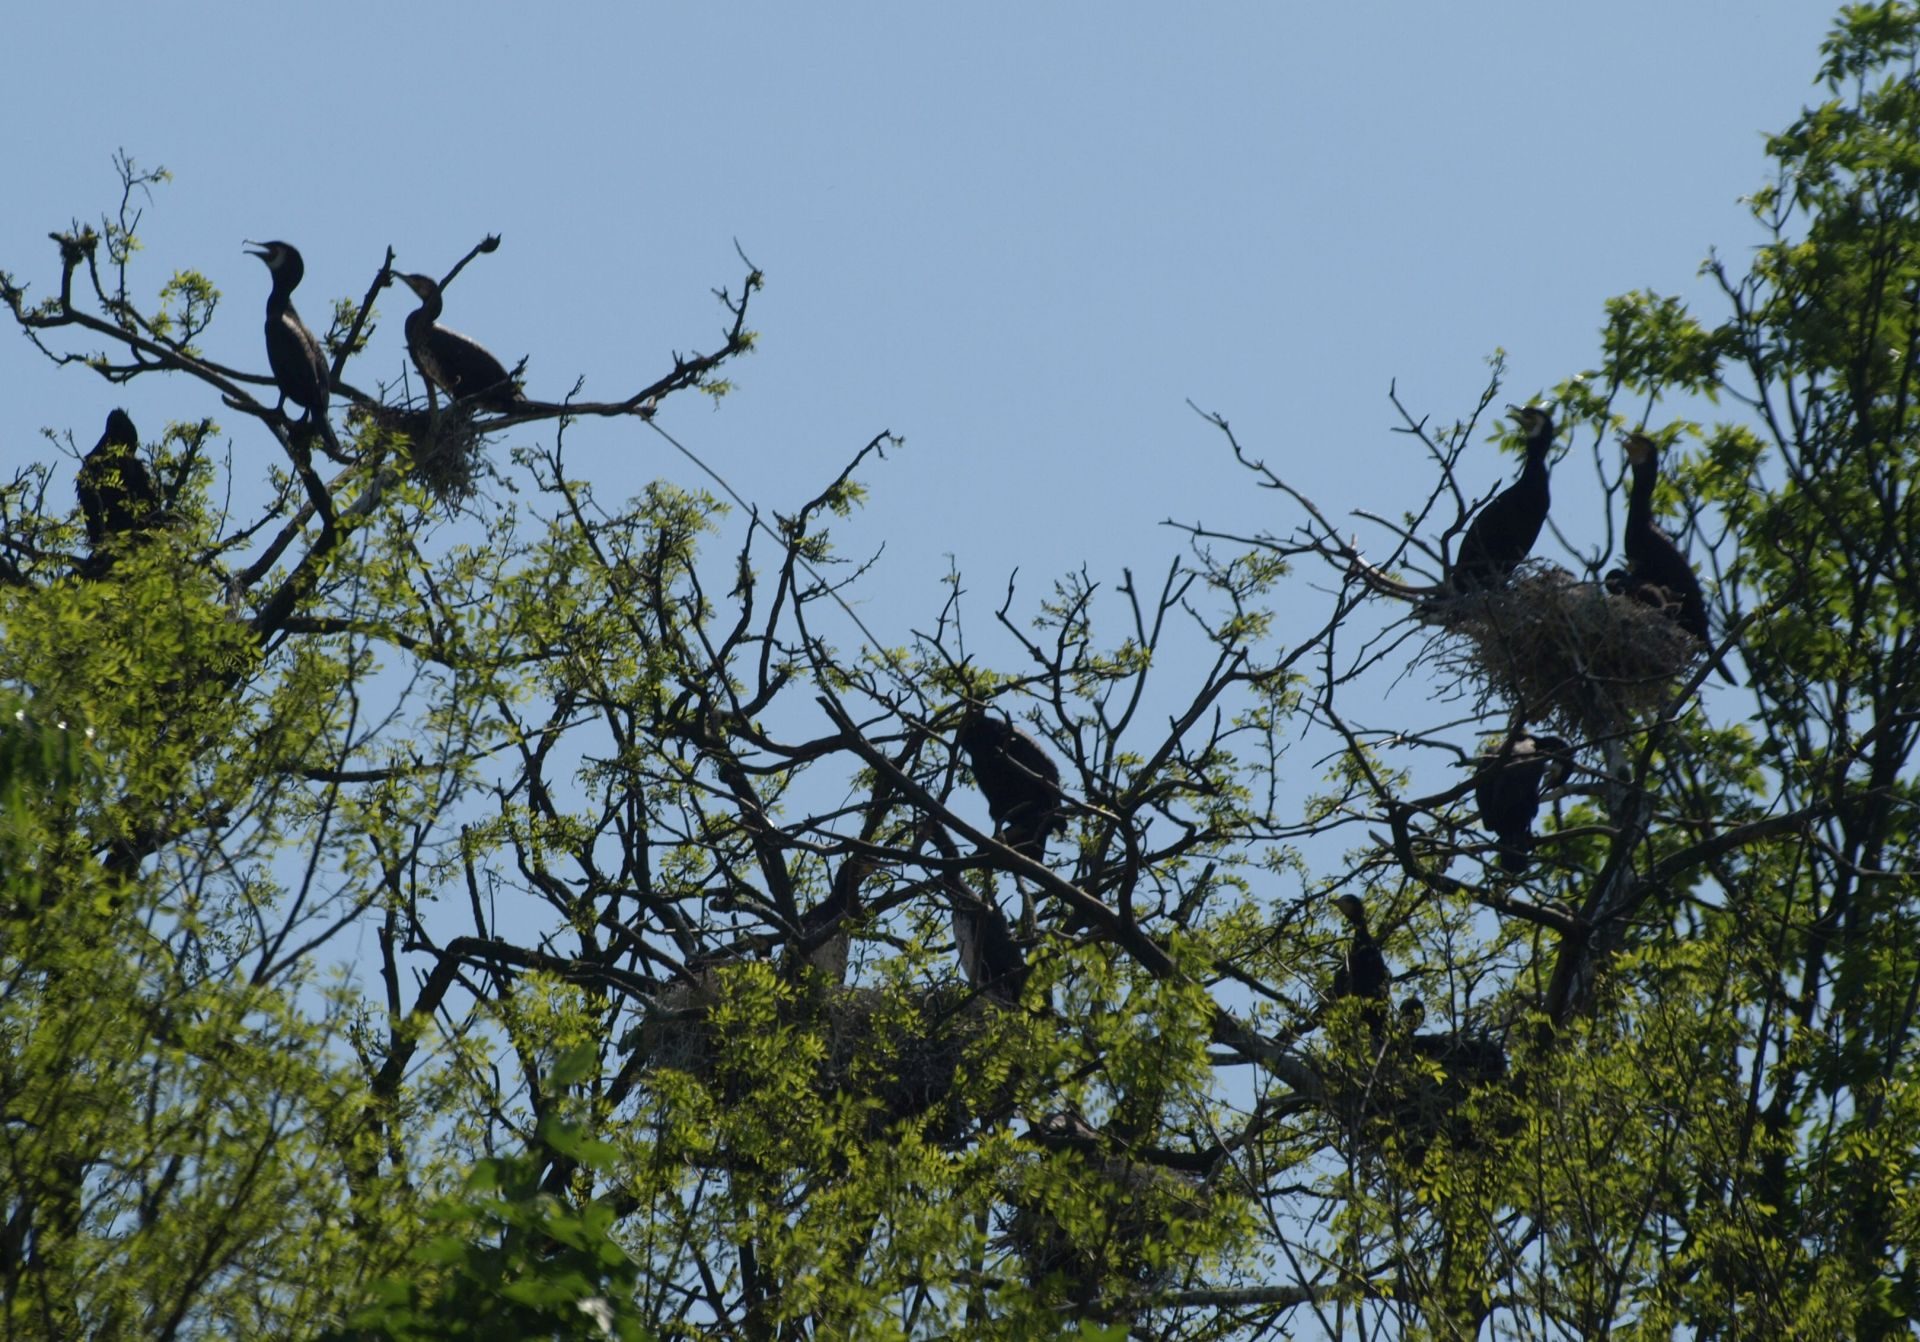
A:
(664, 1030)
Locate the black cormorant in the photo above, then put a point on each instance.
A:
(1413, 1014)
(1363, 970)
(1657, 572)
(989, 955)
(116, 493)
(299, 365)
(1021, 784)
(1502, 533)
(450, 361)
(1507, 789)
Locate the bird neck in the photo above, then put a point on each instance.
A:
(285, 280)
(431, 306)
(419, 322)
(1640, 497)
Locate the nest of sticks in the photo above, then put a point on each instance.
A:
(1567, 652)
(445, 448)
(909, 1061)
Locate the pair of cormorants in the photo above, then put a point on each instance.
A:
(1503, 533)
(1021, 784)
(448, 360)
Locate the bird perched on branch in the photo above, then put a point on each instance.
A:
(116, 493)
(1021, 784)
(1363, 969)
(990, 956)
(298, 363)
(1502, 533)
(1507, 790)
(458, 366)
(1656, 571)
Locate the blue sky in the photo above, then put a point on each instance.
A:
(1022, 237)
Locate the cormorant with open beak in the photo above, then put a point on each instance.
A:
(298, 363)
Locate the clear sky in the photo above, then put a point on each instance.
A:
(1021, 236)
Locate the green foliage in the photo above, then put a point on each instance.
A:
(509, 1260)
(521, 918)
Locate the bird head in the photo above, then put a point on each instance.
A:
(1640, 448)
(979, 731)
(120, 430)
(1559, 755)
(279, 257)
(1535, 421)
(1352, 910)
(420, 284)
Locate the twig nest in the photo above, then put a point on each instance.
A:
(445, 448)
(906, 1060)
(1566, 652)
(1121, 1215)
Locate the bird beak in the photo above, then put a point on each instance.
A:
(252, 248)
(1515, 412)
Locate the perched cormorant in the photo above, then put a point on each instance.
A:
(1502, 533)
(116, 493)
(450, 361)
(299, 365)
(1653, 560)
(1507, 789)
(989, 955)
(1413, 1014)
(1363, 970)
(1021, 784)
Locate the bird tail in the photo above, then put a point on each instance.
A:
(1516, 852)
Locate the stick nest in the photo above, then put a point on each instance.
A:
(909, 1061)
(1566, 652)
(445, 448)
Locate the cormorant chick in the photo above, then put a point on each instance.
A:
(450, 361)
(1653, 560)
(298, 363)
(1363, 969)
(1502, 533)
(1021, 784)
(116, 493)
(1507, 790)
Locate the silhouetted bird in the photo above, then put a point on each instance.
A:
(299, 366)
(116, 493)
(1363, 969)
(1507, 789)
(1413, 1014)
(1021, 784)
(1657, 573)
(450, 361)
(1502, 533)
(990, 957)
